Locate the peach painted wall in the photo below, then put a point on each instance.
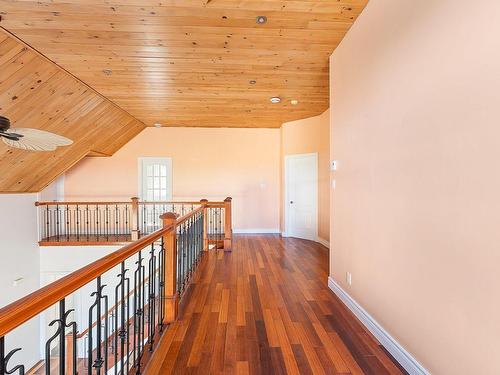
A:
(416, 210)
(311, 135)
(207, 163)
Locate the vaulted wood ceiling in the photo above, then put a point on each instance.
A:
(35, 93)
(189, 62)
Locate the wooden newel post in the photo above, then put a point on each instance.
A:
(134, 219)
(228, 225)
(204, 203)
(170, 247)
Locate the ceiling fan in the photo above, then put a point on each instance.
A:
(30, 139)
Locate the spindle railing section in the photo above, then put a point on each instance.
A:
(108, 316)
(66, 223)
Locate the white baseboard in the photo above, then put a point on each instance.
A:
(256, 231)
(404, 358)
(324, 242)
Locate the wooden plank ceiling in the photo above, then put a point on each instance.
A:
(35, 93)
(190, 62)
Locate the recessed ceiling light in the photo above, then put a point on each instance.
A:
(275, 100)
(261, 20)
(294, 101)
(107, 72)
(252, 82)
(157, 125)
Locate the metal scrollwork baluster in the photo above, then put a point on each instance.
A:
(101, 359)
(122, 292)
(138, 346)
(5, 358)
(179, 256)
(161, 284)
(151, 297)
(62, 324)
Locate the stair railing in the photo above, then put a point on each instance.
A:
(119, 222)
(128, 297)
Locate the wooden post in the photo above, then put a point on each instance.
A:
(228, 226)
(204, 203)
(170, 248)
(134, 218)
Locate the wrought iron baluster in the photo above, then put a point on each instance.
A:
(155, 218)
(188, 249)
(117, 222)
(138, 347)
(161, 284)
(185, 256)
(202, 230)
(195, 240)
(144, 213)
(127, 312)
(78, 220)
(47, 218)
(151, 297)
(62, 324)
(99, 361)
(57, 222)
(5, 358)
(106, 218)
(179, 257)
(66, 222)
(127, 220)
(97, 216)
(221, 236)
(87, 221)
(212, 226)
(121, 332)
(182, 257)
(191, 245)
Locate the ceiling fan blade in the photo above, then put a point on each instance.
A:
(13, 136)
(37, 140)
(28, 145)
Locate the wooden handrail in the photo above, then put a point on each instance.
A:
(167, 202)
(103, 203)
(79, 203)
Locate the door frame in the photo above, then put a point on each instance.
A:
(286, 206)
(170, 173)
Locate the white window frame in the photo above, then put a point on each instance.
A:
(160, 160)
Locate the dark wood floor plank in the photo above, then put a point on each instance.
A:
(265, 308)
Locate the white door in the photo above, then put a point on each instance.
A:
(155, 179)
(155, 185)
(301, 196)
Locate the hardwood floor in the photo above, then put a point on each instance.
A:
(265, 308)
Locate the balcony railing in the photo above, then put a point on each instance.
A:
(90, 223)
(108, 316)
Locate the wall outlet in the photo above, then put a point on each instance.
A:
(348, 278)
(333, 165)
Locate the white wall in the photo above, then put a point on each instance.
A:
(20, 260)
(55, 191)
(416, 209)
